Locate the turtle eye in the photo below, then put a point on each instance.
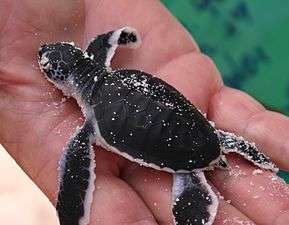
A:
(43, 49)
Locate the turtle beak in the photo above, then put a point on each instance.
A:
(41, 50)
(43, 60)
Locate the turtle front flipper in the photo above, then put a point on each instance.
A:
(233, 143)
(194, 202)
(102, 48)
(76, 178)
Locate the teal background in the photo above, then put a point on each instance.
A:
(249, 42)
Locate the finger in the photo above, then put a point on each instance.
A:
(162, 36)
(155, 188)
(260, 195)
(116, 203)
(237, 112)
(229, 215)
(195, 76)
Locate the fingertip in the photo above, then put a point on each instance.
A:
(230, 108)
(195, 76)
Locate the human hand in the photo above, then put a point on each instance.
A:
(36, 122)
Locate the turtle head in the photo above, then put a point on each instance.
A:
(58, 60)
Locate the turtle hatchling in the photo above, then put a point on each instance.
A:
(142, 118)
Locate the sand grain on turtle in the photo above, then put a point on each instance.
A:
(142, 118)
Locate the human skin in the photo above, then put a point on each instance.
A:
(36, 122)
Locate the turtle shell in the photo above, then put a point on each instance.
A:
(150, 121)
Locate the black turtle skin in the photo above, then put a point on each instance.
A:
(192, 205)
(148, 119)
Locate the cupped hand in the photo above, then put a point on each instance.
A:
(36, 121)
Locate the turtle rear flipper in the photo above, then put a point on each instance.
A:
(233, 143)
(102, 48)
(194, 202)
(76, 178)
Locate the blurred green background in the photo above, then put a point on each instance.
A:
(249, 42)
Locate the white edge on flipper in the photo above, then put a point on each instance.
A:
(215, 201)
(113, 41)
(61, 162)
(89, 192)
(91, 187)
(178, 188)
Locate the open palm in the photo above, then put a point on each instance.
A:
(36, 121)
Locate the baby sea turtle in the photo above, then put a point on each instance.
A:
(141, 118)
